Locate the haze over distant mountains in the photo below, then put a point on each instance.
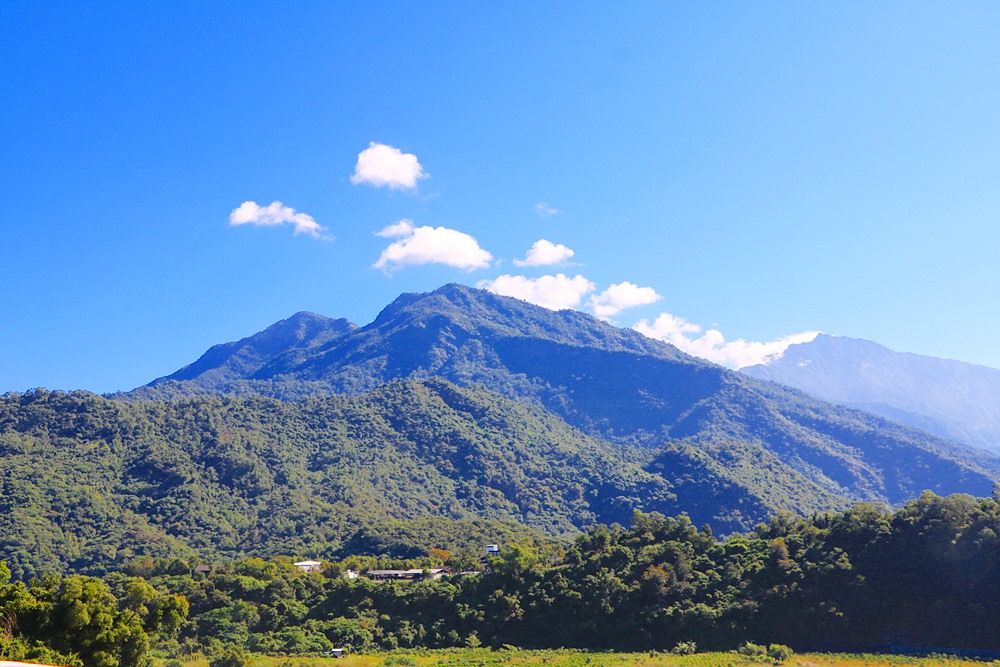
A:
(952, 399)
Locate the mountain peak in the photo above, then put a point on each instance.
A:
(244, 357)
(479, 311)
(701, 425)
(457, 331)
(949, 398)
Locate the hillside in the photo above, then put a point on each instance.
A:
(456, 418)
(288, 340)
(952, 399)
(457, 332)
(733, 449)
(88, 483)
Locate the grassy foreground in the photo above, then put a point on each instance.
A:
(570, 658)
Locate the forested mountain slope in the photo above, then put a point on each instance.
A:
(457, 332)
(456, 418)
(288, 340)
(734, 449)
(88, 483)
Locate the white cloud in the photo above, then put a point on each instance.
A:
(553, 292)
(402, 228)
(544, 210)
(430, 245)
(250, 213)
(618, 297)
(381, 165)
(545, 253)
(712, 345)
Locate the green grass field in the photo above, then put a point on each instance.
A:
(569, 658)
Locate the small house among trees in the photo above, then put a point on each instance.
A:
(416, 574)
(309, 565)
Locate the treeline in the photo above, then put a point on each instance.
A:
(926, 574)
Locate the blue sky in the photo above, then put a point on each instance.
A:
(760, 169)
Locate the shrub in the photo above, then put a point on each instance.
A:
(684, 648)
(232, 657)
(399, 661)
(751, 649)
(779, 652)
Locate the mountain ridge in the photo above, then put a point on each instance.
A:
(451, 319)
(781, 448)
(951, 399)
(301, 331)
(453, 406)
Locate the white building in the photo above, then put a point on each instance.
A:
(309, 565)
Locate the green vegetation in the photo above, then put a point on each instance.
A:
(734, 450)
(81, 621)
(570, 447)
(88, 484)
(865, 578)
(575, 658)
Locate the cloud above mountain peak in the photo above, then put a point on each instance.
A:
(712, 344)
(430, 245)
(617, 298)
(275, 214)
(553, 292)
(545, 253)
(381, 165)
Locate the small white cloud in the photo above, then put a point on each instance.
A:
(381, 165)
(545, 253)
(712, 345)
(544, 210)
(618, 297)
(430, 245)
(553, 292)
(402, 228)
(250, 213)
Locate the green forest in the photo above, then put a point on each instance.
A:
(642, 502)
(861, 579)
(732, 449)
(89, 484)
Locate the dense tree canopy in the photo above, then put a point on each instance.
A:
(88, 484)
(926, 574)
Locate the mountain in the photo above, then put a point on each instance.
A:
(89, 483)
(952, 399)
(287, 340)
(733, 449)
(464, 334)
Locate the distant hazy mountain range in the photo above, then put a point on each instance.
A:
(453, 408)
(951, 399)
